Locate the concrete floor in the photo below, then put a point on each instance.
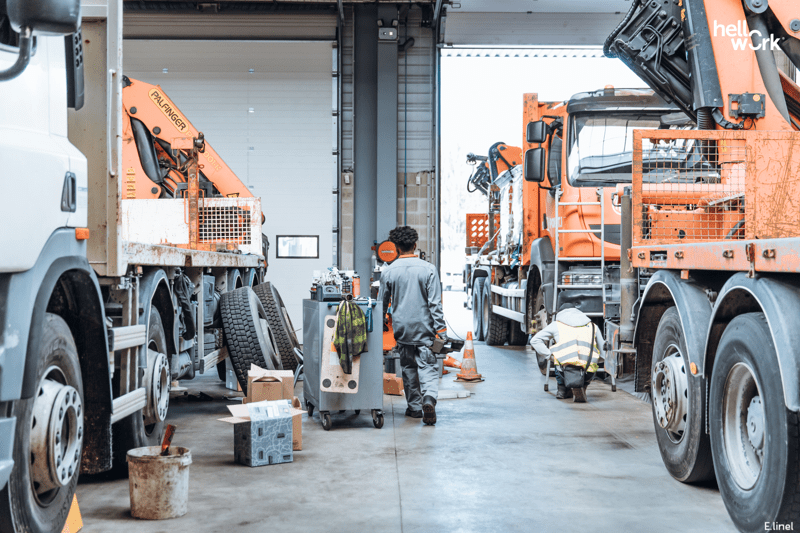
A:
(509, 458)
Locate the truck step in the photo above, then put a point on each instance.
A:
(128, 404)
(126, 337)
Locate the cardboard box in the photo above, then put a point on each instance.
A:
(262, 433)
(231, 383)
(392, 384)
(297, 425)
(269, 385)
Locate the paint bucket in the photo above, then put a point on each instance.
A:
(159, 484)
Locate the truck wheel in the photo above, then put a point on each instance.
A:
(49, 438)
(755, 439)
(516, 337)
(540, 320)
(678, 405)
(247, 333)
(146, 427)
(280, 324)
(477, 309)
(496, 326)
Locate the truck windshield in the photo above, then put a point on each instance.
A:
(601, 147)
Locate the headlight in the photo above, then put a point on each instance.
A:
(572, 278)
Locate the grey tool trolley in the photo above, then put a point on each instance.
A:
(325, 387)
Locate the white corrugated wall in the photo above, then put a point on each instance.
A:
(266, 107)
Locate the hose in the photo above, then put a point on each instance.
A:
(610, 39)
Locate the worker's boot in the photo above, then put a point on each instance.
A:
(563, 393)
(413, 414)
(429, 410)
(580, 395)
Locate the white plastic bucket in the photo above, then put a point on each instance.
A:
(159, 485)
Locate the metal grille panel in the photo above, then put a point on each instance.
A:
(228, 220)
(689, 186)
(478, 229)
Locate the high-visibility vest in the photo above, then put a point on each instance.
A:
(574, 345)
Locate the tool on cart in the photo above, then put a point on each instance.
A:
(333, 284)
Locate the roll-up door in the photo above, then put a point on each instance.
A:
(266, 108)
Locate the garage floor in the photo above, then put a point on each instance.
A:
(509, 458)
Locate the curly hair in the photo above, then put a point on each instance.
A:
(404, 237)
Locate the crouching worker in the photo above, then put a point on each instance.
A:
(571, 333)
(413, 288)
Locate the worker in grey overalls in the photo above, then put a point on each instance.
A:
(412, 287)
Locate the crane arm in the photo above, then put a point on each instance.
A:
(714, 58)
(151, 121)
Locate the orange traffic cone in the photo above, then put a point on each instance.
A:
(469, 370)
(74, 521)
(452, 362)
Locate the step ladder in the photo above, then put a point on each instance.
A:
(557, 281)
(558, 232)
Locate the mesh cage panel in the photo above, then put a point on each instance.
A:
(689, 186)
(228, 220)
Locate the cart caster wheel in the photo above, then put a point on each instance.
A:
(377, 419)
(310, 409)
(546, 387)
(326, 420)
(358, 412)
(613, 388)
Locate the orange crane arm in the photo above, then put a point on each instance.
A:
(150, 123)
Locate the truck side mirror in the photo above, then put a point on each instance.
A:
(50, 17)
(536, 132)
(55, 17)
(535, 165)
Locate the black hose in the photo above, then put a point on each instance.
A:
(607, 45)
(734, 230)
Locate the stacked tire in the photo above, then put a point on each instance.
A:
(281, 325)
(248, 335)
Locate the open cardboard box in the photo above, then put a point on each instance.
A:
(241, 414)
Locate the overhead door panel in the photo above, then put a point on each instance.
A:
(265, 107)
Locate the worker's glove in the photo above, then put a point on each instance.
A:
(442, 336)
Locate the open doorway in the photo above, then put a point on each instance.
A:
(482, 104)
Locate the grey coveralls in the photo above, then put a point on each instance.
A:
(413, 288)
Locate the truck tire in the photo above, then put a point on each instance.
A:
(496, 326)
(516, 337)
(477, 309)
(134, 431)
(279, 323)
(755, 439)
(49, 428)
(678, 405)
(249, 340)
(541, 321)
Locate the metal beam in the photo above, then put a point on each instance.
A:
(437, 10)
(341, 10)
(386, 199)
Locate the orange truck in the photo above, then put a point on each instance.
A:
(715, 226)
(552, 233)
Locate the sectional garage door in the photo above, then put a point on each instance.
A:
(266, 108)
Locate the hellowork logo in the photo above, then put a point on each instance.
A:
(741, 39)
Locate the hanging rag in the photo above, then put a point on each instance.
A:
(350, 338)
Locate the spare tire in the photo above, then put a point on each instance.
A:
(247, 333)
(279, 323)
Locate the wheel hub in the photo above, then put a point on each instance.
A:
(755, 424)
(744, 425)
(670, 390)
(157, 386)
(56, 436)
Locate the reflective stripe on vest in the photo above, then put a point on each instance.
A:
(574, 345)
